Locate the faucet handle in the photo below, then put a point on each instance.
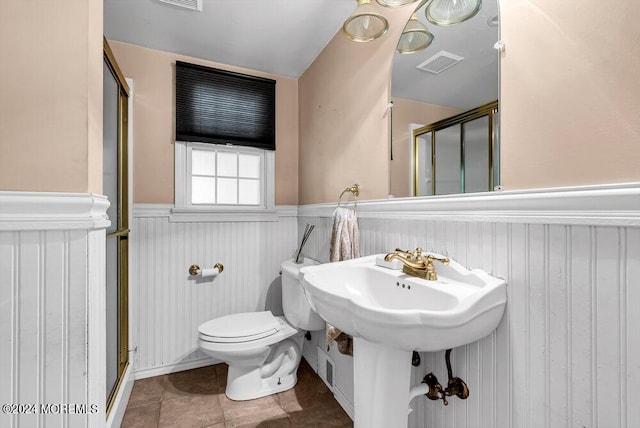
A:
(407, 252)
(431, 274)
(444, 260)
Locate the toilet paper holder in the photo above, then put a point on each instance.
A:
(195, 269)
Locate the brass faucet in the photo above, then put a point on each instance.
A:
(416, 264)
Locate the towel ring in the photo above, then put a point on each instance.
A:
(355, 190)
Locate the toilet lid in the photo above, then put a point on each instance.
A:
(241, 327)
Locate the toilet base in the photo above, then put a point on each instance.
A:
(278, 373)
(268, 387)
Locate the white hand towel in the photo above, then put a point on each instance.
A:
(344, 235)
(344, 246)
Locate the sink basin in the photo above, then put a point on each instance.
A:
(390, 314)
(394, 309)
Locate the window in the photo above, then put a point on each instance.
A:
(225, 176)
(225, 142)
(212, 177)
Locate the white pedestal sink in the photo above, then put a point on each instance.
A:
(390, 314)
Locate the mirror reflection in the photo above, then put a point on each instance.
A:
(458, 154)
(448, 72)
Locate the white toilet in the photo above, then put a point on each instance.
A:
(263, 351)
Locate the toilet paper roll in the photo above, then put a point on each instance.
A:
(209, 273)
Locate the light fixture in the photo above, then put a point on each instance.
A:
(365, 24)
(395, 3)
(415, 37)
(449, 12)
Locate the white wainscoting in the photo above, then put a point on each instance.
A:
(567, 353)
(170, 305)
(52, 261)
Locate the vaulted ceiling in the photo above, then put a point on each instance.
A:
(284, 37)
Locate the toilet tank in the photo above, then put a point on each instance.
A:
(294, 303)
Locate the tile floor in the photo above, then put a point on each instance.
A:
(195, 398)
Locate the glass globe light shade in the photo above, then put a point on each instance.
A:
(365, 24)
(395, 3)
(450, 12)
(415, 37)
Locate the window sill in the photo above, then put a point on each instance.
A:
(190, 215)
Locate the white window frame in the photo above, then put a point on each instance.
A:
(185, 211)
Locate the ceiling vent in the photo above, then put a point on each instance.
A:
(187, 4)
(440, 62)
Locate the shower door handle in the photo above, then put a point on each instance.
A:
(123, 232)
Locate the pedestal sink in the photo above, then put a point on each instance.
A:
(390, 314)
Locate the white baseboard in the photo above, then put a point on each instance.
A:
(344, 403)
(173, 368)
(122, 399)
(310, 350)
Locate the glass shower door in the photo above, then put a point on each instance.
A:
(447, 161)
(423, 182)
(476, 156)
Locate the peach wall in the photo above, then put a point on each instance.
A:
(570, 93)
(154, 123)
(51, 96)
(406, 112)
(95, 91)
(343, 116)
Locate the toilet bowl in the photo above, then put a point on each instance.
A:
(263, 351)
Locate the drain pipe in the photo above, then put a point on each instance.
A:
(434, 391)
(419, 389)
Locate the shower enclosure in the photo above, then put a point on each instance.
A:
(459, 154)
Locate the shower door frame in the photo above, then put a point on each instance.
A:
(491, 111)
(122, 232)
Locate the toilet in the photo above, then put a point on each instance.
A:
(263, 351)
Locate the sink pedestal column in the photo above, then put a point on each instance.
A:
(382, 378)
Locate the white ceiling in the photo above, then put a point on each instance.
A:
(275, 36)
(284, 37)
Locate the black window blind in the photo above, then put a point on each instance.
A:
(223, 107)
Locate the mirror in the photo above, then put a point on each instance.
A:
(464, 75)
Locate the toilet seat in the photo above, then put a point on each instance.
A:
(240, 328)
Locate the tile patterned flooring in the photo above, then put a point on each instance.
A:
(195, 398)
